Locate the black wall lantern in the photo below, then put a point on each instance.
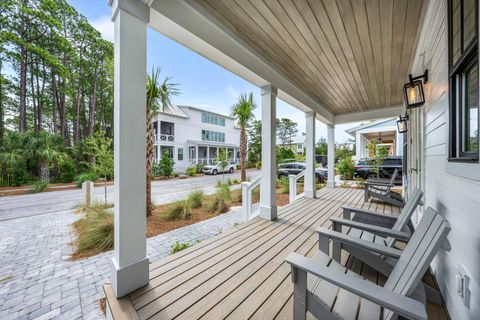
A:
(413, 90)
(402, 124)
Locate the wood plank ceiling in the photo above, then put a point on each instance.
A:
(351, 55)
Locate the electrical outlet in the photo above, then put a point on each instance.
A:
(462, 281)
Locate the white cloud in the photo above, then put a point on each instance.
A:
(233, 92)
(105, 26)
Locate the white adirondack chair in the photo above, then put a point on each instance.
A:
(369, 232)
(323, 287)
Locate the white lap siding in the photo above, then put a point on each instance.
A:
(456, 195)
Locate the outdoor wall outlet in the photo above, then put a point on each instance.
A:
(462, 280)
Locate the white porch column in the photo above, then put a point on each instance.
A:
(331, 155)
(268, 204)
(310, 191)
(130, 261)
(208, 155)
(196, 154)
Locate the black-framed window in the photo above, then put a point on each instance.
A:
(463, 71)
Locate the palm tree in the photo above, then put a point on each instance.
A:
(243, 113)
(158, 97)
(43, 149)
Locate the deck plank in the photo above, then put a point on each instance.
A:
(265, 249)
(242, 273)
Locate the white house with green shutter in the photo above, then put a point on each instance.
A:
(191, 135)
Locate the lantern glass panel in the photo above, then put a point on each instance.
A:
(414, 93)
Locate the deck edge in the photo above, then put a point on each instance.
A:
(118, 309)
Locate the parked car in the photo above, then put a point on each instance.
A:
(286, 169)
(364, 168)
(214, 168)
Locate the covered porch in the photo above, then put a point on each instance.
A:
(242, 274)
(336, 61)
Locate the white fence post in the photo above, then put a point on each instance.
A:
(292, 188)
(246, 202)
(87, 188)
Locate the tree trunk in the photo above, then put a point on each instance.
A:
(2, 121)
(54, 103)
(62, 114)
(44, 171)
(22, 124)
(149, 161)
(92, 107)
(243, 154)
(76, 127)
(33, 93)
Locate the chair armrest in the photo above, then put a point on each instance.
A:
(363, 244)
(395, 302)
(347, 210)
(380, 231)
(378, 183)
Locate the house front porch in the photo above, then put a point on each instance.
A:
(243, 274)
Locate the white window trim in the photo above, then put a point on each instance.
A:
(470, 171)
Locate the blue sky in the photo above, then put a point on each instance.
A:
(202, 82)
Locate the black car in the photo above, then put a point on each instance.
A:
(365, 169)
(286, 169)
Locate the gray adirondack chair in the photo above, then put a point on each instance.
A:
(323, 287)
(381, 190)
(370, 231)
(383, 181)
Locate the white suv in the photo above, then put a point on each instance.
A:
(214, 168)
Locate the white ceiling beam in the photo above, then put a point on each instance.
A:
(190, 25)
(380, 113)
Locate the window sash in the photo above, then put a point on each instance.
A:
(457, 88)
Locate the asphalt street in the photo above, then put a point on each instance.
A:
(164, 191)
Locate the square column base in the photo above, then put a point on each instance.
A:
(268, 213)
(129, 278)
(330, 184)
(310, 194)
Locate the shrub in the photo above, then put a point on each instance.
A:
(164, 167)
(283, 183)
(179, 246)
(285, 154)
(94, 230)
(179, 210)
(68, 170)
(81, 178)
(258, 165)
(220, 201)
(346, 168)
(196, 199)
(191, 171)
(235, 181)
(38, 186)
(199, 167)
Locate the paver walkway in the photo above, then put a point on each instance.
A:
(38, 281)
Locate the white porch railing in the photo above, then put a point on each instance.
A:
(165, 138)
(292, 186)
(250, 209)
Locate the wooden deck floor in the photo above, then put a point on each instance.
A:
(242, 274)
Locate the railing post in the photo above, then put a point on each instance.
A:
(245, 200)
(292, 188)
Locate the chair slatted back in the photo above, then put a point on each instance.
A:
(406, 213)
(424, 244)
(394, 176)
